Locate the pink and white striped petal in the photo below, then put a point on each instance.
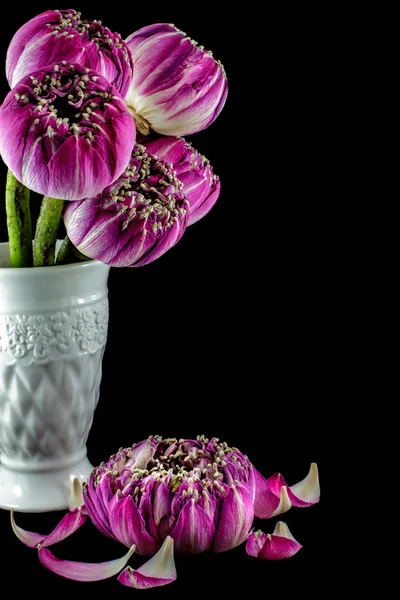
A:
(274, 496)
(159, 570)
(276, 546)
(80, 571)
(66, 527)
(237, 515)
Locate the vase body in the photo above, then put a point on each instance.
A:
(53, 331)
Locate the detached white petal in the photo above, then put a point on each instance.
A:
(159, 570)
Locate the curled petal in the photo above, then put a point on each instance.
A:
(66, 527)
(273, 496)
(159, 570)
(307, 491)
(80, 571)
(237, 515)
(281, 544)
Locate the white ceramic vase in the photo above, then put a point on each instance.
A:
(53, 331)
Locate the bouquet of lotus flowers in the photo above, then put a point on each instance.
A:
(94, 123)
(162, 497)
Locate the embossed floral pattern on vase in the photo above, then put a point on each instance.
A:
(45, 336)
(89, 327)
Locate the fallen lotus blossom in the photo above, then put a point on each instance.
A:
(201, 493)
(276, 546)
(187, 496)
(200, 185)
(159, 570)
(62, 35)
(178, 88)
(65, 132)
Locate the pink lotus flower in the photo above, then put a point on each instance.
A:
(190, 496)
(61, 35)
(178, 88)
(65, 132)
(200, 184)
(133, 221)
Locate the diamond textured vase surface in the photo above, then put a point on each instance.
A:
(53, 331)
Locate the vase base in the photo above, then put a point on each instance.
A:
(43, 491)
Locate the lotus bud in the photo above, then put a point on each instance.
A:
(136, 219)
(178, 88)
(200, 185)
(58, 35)
(65, 132)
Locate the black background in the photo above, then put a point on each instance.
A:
(230, 333)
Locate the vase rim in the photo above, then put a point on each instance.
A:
(72, 266)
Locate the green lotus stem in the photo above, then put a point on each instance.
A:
(68, 253)
(19, 224)
(44, 245)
